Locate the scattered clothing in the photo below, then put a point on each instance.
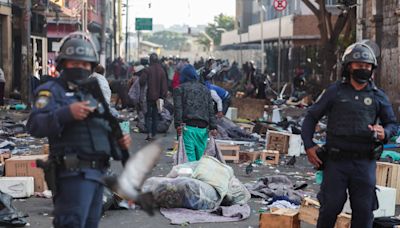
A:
(221, 214)
(274, 186)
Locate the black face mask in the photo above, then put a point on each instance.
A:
(361, 75)
(76, 74)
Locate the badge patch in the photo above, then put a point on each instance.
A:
(367, 101)
(43, 99)
(44, 93)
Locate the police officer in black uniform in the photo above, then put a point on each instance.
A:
(80, 141)
(360, 117)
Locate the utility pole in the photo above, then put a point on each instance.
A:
(84, 16)
(138, 44)
(279, 51)
(26, 53)
(126, 31)
(103, 33)
(262, 8)
(115, 28)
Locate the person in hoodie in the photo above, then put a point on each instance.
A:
(194, 113)
(155, 78)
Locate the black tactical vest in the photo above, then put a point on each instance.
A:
(348, 119)
(89, 138)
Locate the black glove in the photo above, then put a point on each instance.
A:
(147, 202)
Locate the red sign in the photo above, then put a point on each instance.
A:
(280, 5)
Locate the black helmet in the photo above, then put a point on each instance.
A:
(77, 48)
(153, 58)
(365, 51)
(359, 52)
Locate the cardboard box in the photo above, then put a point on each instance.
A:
(17, 187)
(25, 166)
(287, 218)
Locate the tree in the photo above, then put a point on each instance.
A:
(331, 31)
(221, 23)
(203, 40)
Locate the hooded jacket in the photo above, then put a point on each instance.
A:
(192, 100)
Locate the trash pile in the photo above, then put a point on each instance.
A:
(14, 138)
(200, 191)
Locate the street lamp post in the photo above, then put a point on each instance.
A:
(262, 9)
(240, 44)
(126, 30)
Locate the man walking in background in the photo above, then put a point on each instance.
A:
(157, 88)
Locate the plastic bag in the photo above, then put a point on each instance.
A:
(175, 170)
(180, 156)
(213, 150)
(153, 182)
(214, 173)
(237, 193)
(184, 192)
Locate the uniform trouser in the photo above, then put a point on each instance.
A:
(225, 104)
(359, 178)
(78, 203)
(152, 117)
(195, 140)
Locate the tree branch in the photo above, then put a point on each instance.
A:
(322, 21)
(311, 7)
(329, 22)
(339, 25)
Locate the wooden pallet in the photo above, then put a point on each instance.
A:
(388, 175)
(309, 211)
(270, 156)
(277, 141)
(247, 127)
(282, 217)
(249, 156)
(230, 152)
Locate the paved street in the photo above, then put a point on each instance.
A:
(39, 209)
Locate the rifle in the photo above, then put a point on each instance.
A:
(92, 87)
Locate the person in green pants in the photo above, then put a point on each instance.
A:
(194, 113)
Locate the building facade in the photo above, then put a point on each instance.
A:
(299, 34)
(6, 42)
